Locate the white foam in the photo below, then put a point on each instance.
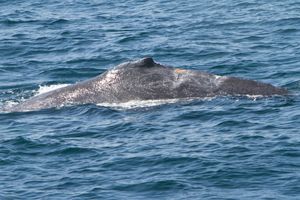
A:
(139, 103)
(47, 88)
(149, 103)
(254, 96)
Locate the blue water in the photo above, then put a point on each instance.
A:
(220, 148)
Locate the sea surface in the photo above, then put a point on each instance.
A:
(218, 148)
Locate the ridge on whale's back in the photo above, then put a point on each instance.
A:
(145, 79)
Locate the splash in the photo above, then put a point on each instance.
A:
(9, 104)
(47, 88)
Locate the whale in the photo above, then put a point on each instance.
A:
(145, 79)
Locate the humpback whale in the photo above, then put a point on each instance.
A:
(146, 79)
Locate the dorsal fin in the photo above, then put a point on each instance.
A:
(147, 62)
(144, 63)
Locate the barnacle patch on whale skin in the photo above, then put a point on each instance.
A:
(180, 71)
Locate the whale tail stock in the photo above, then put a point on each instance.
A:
(234, 86)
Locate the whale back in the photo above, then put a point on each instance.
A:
(147, 80)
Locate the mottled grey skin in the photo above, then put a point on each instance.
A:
(146, 80)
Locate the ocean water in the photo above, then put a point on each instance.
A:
(217, 148)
